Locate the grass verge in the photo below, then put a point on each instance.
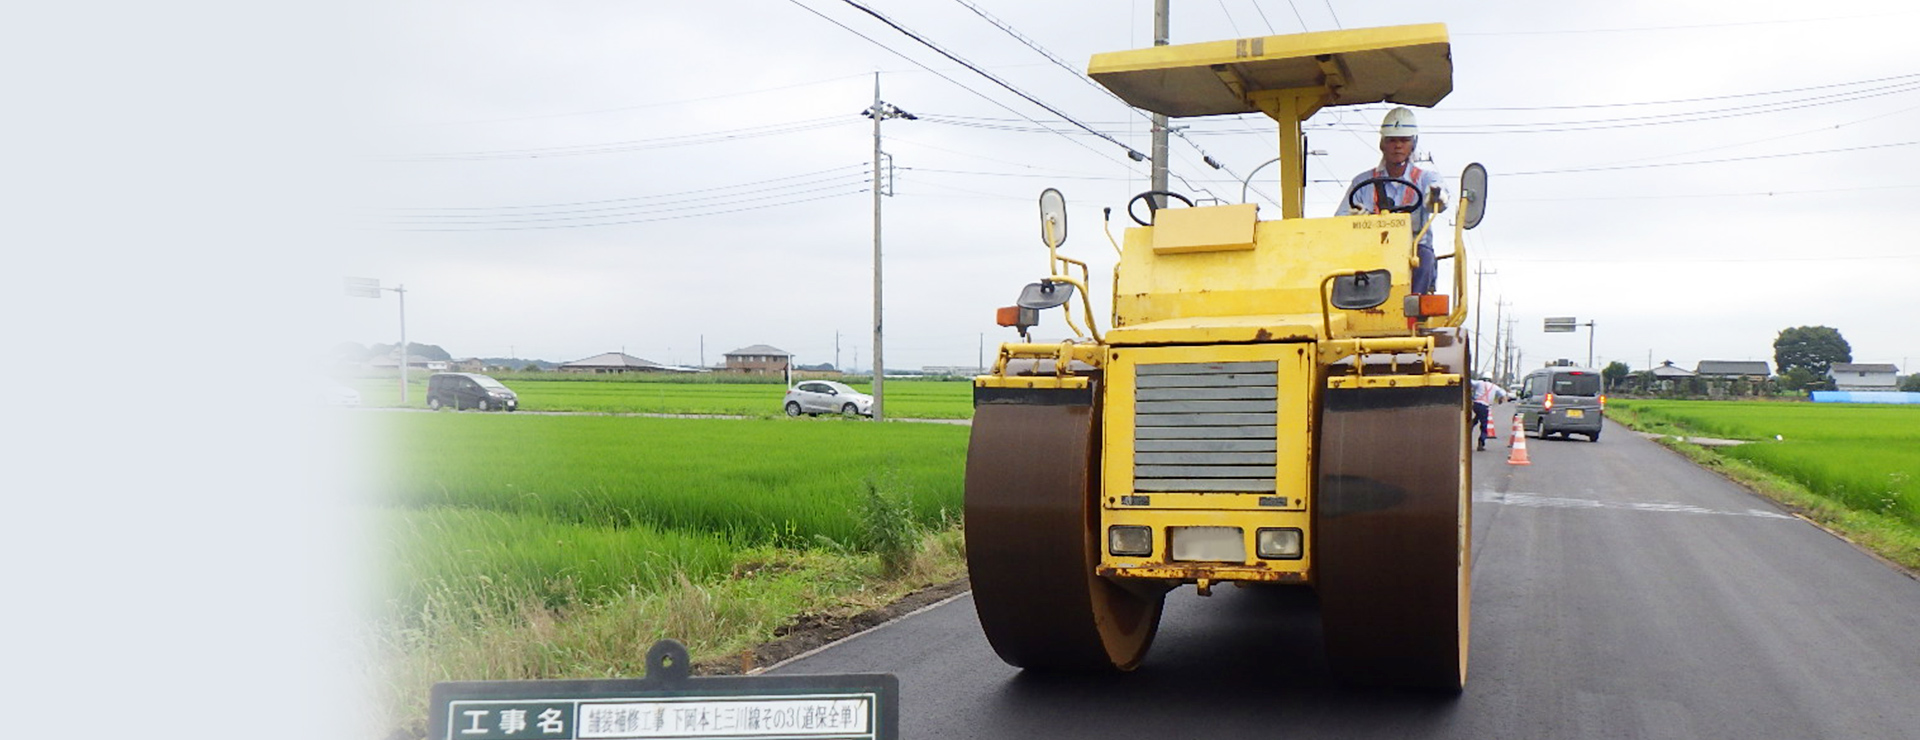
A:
(766, 594)
(1880, 529)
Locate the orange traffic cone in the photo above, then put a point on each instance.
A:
(1519, 444)
(1492, 431)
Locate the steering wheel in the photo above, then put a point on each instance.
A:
(1419, 198)
(1147, 196)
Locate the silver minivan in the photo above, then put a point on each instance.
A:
(1562, 400)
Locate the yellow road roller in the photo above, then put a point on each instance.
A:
(1270, 405)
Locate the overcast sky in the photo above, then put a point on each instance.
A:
(556, 180)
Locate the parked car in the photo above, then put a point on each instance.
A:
(469, 391)
(1563, 401)
(827, 397)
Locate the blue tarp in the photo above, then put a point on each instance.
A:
(1865, 397)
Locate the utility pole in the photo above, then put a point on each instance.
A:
(1499, 367)
(836, 352)
(404, 349)
(879, 112)
(1480, 273)
(1159, 181)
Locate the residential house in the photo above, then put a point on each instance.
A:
(612, 362)
(1754, 370)
(759, 358)
(1668, 371)
(1864, 376)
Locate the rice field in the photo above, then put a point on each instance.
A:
(679, 394)
(1863, 456)
(489, 510)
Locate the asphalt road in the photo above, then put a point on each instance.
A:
(1619, 592)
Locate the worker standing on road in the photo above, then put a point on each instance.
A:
(1399, 135)
(1485, 395)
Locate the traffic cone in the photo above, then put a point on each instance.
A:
(1519, 444)
(1492, 432)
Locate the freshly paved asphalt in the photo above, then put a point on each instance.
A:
(1619, 592)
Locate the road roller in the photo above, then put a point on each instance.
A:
(1270, 405)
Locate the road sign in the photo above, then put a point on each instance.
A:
(670, 704)
(1560, 324)
(363, 287)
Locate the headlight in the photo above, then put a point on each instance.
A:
(1130, 540)
(1278, 544)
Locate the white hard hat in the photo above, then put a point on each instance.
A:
(1399, 122)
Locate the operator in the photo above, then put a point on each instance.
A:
(1399, 135)
(1485, 395)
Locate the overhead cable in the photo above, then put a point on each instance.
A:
(938, 73)
(924, 41)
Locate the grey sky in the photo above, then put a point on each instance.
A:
(513, 130)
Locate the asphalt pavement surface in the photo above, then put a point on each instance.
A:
(1619, 591)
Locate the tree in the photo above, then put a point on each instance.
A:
(1615, 372)
(1911, 383)
(1797, 379)
(1815, 348)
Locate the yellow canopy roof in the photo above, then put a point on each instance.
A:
(1409, 65)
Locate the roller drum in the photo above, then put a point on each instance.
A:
(1032, 523)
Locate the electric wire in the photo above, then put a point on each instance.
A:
(937, 73)
(623, 210)
(619, 147)
(861, 168)
(1780, 155)
(924, 41)
(761, 207)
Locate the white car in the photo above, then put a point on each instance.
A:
(827, 397)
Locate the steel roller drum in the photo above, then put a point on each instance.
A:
(1032, 522)
(1393, 526)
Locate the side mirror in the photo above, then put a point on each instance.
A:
(1045, 295)
(1053, 218)
(1473, 195)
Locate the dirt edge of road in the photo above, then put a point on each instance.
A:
(812, 631)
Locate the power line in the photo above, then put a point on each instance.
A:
(641, 106)
(653, 206)
(938, 73)
(1007, 28)
(858, 168)
(1263, 16)
(1677, 101)
(1131, 153)
(1694, 27)
(756, 208)
(1710, 161)
(619, 147)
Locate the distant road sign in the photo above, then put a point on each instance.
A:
(1560, 323)
(363, 287)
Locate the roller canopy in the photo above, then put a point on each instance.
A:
(1409, 65)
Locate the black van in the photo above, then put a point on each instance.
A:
(469, 391)
(1563, 401)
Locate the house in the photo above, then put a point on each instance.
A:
(759, 358)
(469, 365)
(1754, 370)
(1864, 376)
(1668, 371)
(414, 362)
(612, 362)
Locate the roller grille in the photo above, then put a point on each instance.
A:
(1205, 427)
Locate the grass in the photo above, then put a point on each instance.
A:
(525, 546)
(1853, 467)
(679, 394)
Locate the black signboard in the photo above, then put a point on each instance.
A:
(669, 703)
